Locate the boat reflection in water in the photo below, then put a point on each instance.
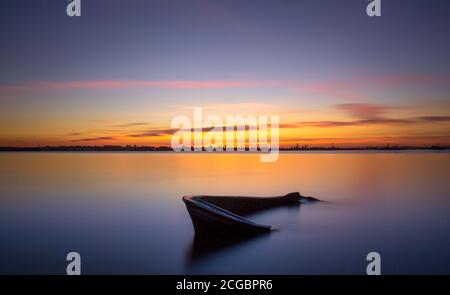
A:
(219, 221)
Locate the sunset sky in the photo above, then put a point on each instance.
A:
(119, 73)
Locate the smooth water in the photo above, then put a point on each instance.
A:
(123, 212)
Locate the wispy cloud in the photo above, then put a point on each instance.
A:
(432, 119)
(354, 88)
(93, 139)
(167, 84)
(364, 122)
(164, 132)
(74, 134)
(153, 132)
(365, 110)
(233, 108)
(339, 90)
(367, 114)
(351, 88)
(126, 125)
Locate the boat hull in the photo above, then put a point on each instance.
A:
(218, 215)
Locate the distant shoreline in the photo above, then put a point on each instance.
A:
(168, 149)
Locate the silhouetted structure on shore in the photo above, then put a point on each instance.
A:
(104, 148)
(134, 148)
(388, 147)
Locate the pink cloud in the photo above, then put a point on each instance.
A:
(347, 89)
(365, 122)
(365, 110)
(129, 84)
(332, 89)
(167, 84)
(353, 88)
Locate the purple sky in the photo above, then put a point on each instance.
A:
(140, 61)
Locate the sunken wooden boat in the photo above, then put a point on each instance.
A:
(216, 215)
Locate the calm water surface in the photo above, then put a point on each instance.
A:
(123, 212)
